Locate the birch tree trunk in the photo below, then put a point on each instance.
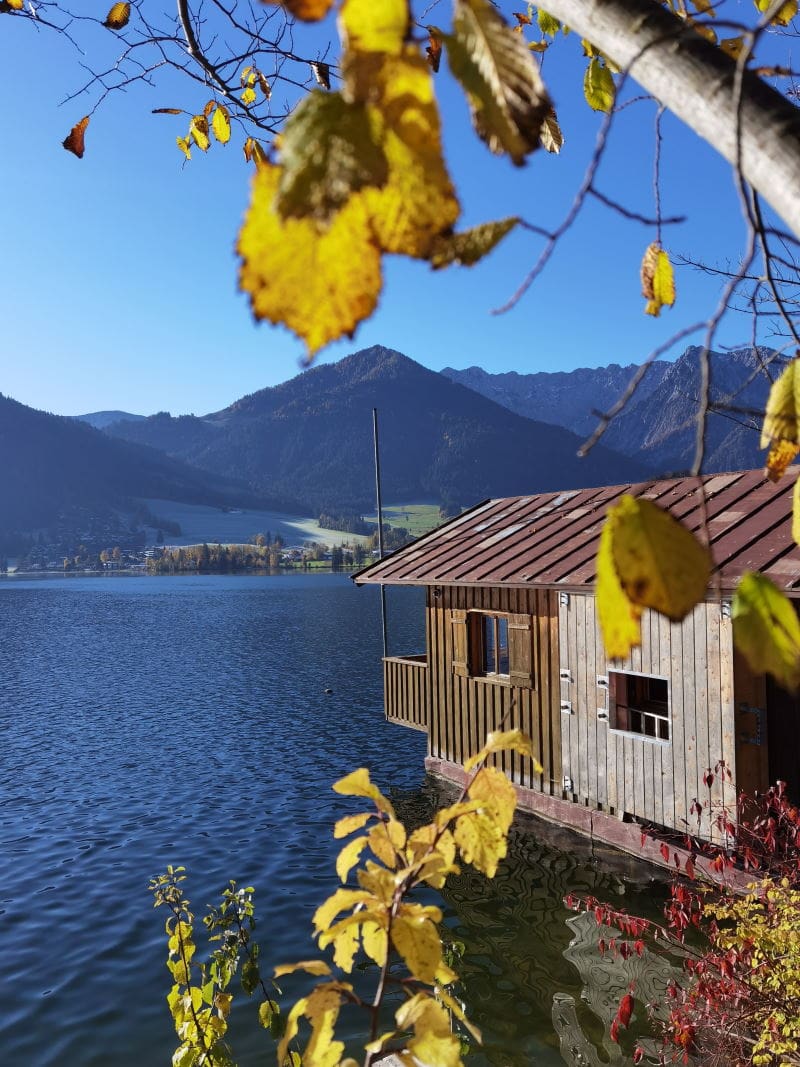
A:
(695, 80)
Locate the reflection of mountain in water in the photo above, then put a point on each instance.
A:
(532, 977)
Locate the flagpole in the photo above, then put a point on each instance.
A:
(380, 522)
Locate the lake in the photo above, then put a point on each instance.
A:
(186, 720)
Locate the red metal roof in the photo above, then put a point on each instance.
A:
(550, 539)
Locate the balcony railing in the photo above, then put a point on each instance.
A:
(405, 690)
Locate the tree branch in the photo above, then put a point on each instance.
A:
(695, 80)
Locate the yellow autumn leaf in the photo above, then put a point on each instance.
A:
(480, 841)
(249, 95)
(766, 629)
(342, 934)
(184, 146)
(501, 741)
(118, 17)
(345, 943)
(329, 149)
(548, 24)
(221, 124)
(436, 862)
(322, 1010)
(446, 815)
(359, 784)
(317, 967)
(620, 620)
(779, 457)
(470, 246)
(496, 795)
(598, 86)
(292, 1026)
(15, 5)
(418, 201)
(253, 151)
(501, 79)
(349, 856)
(658, 280)
(320, 285)
(417, 940)
(659, 562)
(198, 132)
(433, 1043)
(375, 942)
(350, 823)
(378, 881)
(386, 839)
(369, 26)
(782, 416)
(785, 13)
(341, 900)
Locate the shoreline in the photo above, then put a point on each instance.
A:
(139, 572)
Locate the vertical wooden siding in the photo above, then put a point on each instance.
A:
(625, 773)
(464, 709)
(405, 690)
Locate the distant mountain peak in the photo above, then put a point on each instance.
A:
(101, 419)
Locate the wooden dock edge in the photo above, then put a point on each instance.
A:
(600, 826)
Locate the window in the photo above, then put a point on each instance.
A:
(500, 647)
(639, 704)
(492, 653)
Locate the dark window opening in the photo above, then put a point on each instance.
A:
(639, 704)
(493, 656)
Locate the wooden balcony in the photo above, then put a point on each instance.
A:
(405, 690)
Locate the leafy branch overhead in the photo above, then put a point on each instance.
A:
(373, 151)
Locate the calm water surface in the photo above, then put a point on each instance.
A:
(149, 721)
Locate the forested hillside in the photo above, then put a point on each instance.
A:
(308, 441)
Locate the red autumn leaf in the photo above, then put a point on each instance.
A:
(708, 778)
(74, 141)
(625, 1010)
(638, 1054)
(665, 852)
(614, 1031)
(690, 867)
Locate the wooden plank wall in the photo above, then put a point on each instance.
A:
(464, 709)
(405, 691)
(627, 774)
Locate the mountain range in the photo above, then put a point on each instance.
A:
(657, 426)
(305, 446)
(308, 441)
(51, 465)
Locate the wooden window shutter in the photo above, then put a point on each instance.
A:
(520, 651)
(458, 621)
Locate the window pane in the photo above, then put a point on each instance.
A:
(502, 646)
(488, 645)
(639, 704)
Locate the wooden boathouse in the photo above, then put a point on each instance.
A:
(513, 639)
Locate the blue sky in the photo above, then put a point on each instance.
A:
(120, 277)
